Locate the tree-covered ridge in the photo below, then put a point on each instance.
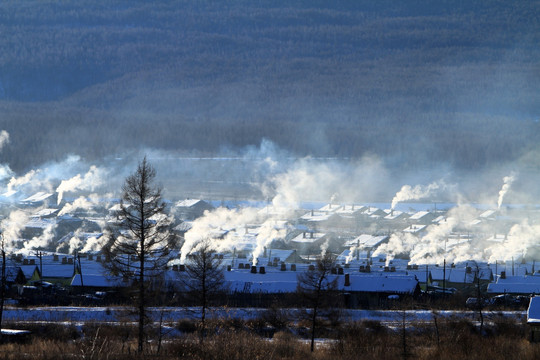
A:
(325, 78)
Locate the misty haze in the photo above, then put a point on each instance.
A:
(387, 150)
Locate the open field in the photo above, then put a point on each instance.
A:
(433, 337)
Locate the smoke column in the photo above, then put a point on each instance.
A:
(408, 192)
(4, 139)
(507, 182)
(91, 180)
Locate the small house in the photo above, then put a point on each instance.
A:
(533, 318)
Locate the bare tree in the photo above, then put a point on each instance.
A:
(140, 245)
(204, 278)
(317, 287)
(3, 279)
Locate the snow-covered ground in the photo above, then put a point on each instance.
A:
(172, 314)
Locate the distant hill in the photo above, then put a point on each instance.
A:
(416, 82)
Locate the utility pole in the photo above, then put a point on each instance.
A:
(39, 255)
(80, 270)
(444, 279)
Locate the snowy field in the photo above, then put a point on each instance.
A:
(173, 314)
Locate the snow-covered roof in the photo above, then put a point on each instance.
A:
(459, 276)
(316, 216)
(487, 214)
(350, 209)
(184, 226)
(330, 208)
(40, 223)
(273, 254)
(9, 193)
(187, 203)
(371, 211)
(95, 281)
(365, 241)
(381, 282)
(419, 215)
(413, 229)
(394, 214)
(39, 196)
(533, 312)
(46, 212)
(516, 285)
(439, 219)
(306, 237)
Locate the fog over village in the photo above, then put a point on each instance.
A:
(294, 180)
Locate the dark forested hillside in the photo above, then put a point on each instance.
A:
(416, 82)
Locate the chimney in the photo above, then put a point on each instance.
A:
(368, 268)
(55, 257)
(362, 268)
(283, 267)
(182, 267)
(312, 214)
(229, 267)
(32, 261)
(340, 271)
(240, 265)
(98, 258)
(333, 271)
(503, 274)
(262, 270)
(90, 257)
(70, 261)
(64, 260)
(25, 262)
(293, 267)
(393, 269)
(311, 267)
(347, 280)
(311, 235)
(468, 270)
(175, 268)
(386, 269)
(304, 235)
(253, 269)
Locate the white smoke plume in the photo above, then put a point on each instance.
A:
(507, 182)
(94, 243)
(5, 172)
(434, 246)
(408, 192)
(324, 248)
(215, 222)
(42, 241)
(81, 203)
(90, 181)
(4, 139)
(268, 232)
(13, 225)
(76, 241)
(521, 240)
(399, 243)
(16, 182)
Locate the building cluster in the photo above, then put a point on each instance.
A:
(59, 247)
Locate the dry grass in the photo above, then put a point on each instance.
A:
(455, 339)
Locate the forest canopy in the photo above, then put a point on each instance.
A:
(415, 82)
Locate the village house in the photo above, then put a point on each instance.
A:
(191, 209)
(533, 318)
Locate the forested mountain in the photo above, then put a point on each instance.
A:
(416, 82)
